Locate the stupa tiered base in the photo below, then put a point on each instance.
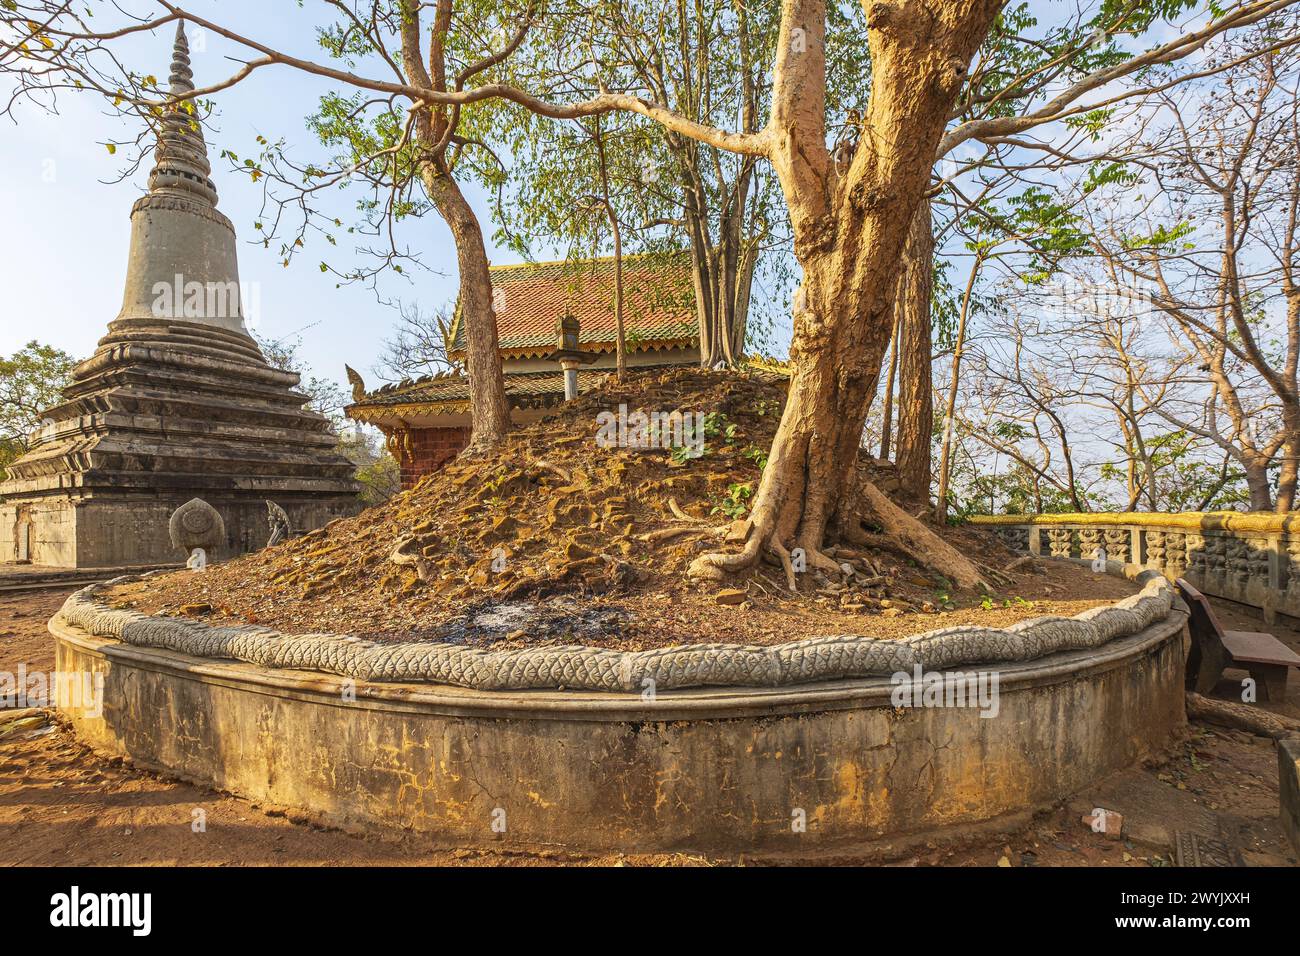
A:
(165, 411)
(177, 402)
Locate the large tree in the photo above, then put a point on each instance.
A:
(849, 209)
(31, 380)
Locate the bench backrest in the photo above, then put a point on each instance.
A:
(1207, 656)
(1202, 615)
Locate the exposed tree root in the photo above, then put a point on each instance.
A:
(919, 541)
(1252, 720)
(902, 533)
(681, 515)
(556, 470)
(787, 564)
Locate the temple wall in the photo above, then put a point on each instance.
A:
(123, 532)
(42, 532)
(1249, 558)
(428, 450)
(700, 768)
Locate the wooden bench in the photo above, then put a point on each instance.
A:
(1266, 658)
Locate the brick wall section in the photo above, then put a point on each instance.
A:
(431, 448)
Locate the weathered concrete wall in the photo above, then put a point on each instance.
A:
(708, 769)
(42, 532)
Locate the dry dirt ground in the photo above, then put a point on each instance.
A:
(61, 804)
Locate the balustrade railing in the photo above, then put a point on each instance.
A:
(1253, 558)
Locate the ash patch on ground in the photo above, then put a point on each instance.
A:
(529, 622)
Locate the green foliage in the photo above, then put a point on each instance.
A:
(1161, 239)
(716, 424)
(376, 470)
(735, 503)
(31, 380)
(757, 455)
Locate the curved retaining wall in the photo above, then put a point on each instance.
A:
(816, 764)
(1249, 557)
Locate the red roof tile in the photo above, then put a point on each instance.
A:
(658, 309)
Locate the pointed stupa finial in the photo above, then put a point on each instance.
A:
(182, 77)
(181, 161)
(182, 265)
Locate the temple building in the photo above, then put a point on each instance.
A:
(177, 401)
(426, 421)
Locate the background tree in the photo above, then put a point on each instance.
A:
(31, 381)
(420, 345)
(378, 472)
(1204, 236)
(1028, 72)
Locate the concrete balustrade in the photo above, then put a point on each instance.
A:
(1252, 558)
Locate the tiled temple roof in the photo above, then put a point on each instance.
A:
(658, 304)
(450, 393)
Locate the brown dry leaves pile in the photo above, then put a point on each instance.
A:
(555, 522)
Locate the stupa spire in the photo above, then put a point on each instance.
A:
(182, 264)
(181, 160)
(182, 77)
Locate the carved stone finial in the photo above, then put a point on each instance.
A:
(278, 519)
(357, 382)
(196, 524)
(181, 161)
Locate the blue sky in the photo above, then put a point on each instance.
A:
(67, 224)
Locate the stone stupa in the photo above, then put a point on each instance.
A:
(177, 402)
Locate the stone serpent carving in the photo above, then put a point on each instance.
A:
(278, 520)
(589, 668)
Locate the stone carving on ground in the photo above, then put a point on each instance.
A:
(1017, 539)
(196, 527)
(278, 519)
(1292, 566)
(598, 669)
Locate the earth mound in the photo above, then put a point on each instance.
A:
(580, 529)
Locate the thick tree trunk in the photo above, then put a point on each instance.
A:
(620, 336)
(1261, 495)
(1289, 466)
(1251, 719)
(915, 383)
(489, 412)
(620, 343)
(1286, 479)
(744, 289)
(848, 234)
